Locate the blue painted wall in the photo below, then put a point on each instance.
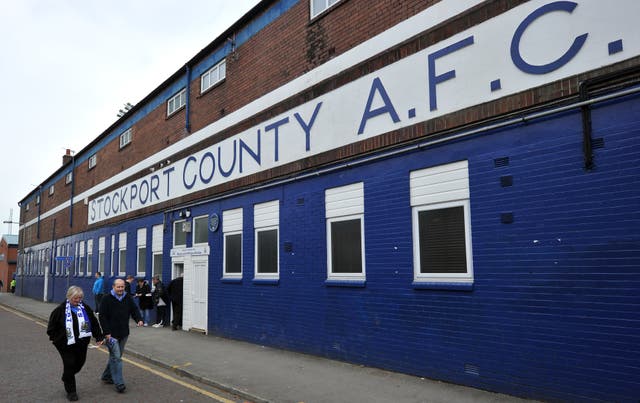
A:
(554, 311)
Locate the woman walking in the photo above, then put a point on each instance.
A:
(70, 328)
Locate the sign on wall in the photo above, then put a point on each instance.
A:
(528, 46)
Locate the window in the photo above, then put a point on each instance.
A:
(37, 199)
(232, 230)
(213, 76)
(101, 251)
(68, 178)
(441, 224)
(93, 160)
(142, 252)
(122, 254)
(52, 189)
(201, 230)
(345, 229)
(266, 220)
(113, 252)
(58, 264)
(156, 249)
(125, 138)
(89, 257)
(82, 260)
(318, 6)
(26, 207)
(180, 233)
(177, 101)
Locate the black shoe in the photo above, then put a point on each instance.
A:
(107, 381)
(120, 388)
(72, 396)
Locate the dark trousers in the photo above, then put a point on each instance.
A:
(98, 298)
(161, 312)
(73, 358)
(177, 314)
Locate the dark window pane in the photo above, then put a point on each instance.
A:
(201, 233)
(142, 259)
(180, 235)
(233, 253)
(346, 247)
(268, 251)
(157, 264)
(442, 241)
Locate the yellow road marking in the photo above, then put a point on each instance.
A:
(18, 313)
(139, 365)
(186, 364)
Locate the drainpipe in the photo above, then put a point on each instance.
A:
(73, 181)
(39, 204)
(188, 106)
(625, 78)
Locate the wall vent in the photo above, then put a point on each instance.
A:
(501, 162)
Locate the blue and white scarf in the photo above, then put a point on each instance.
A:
(83, 325)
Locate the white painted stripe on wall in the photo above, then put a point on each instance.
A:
(421, 22)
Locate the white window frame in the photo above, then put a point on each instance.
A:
(26, 207)
(37, 200)
(52, 190)
(317, 7)
(125, 138)
(156, 248)
(213, 76)
(197, 221)
(101, 254)
(231, 225)
(89, 271)
(142, 249)
(345, 203)
(113, 255)
(122, 249)
(177, 102)
(82, 260)
(266, 217)
(93, 161)
(57, 263)
(436, 188)
(68, 178)
(175, 226)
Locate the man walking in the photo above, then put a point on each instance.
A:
(98, 291)
(115, 310)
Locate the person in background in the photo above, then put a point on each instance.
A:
(175, 293)
(143, 292)
(98, 290)
(115, 310)
(71, 325)
(160, 300)
(127, 285)
(13, 285)
(1, 285)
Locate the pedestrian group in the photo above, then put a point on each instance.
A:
(73, 323)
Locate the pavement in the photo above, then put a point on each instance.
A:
(264, 374)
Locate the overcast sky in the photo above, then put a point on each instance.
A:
(68, 66)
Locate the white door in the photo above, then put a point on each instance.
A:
(200, 290)
(196, 279)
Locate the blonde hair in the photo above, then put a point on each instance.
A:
(74, 291)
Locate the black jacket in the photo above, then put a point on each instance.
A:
(57, 327)
(175, 290)
(114, 315)
(143, 293)
(159, 292)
